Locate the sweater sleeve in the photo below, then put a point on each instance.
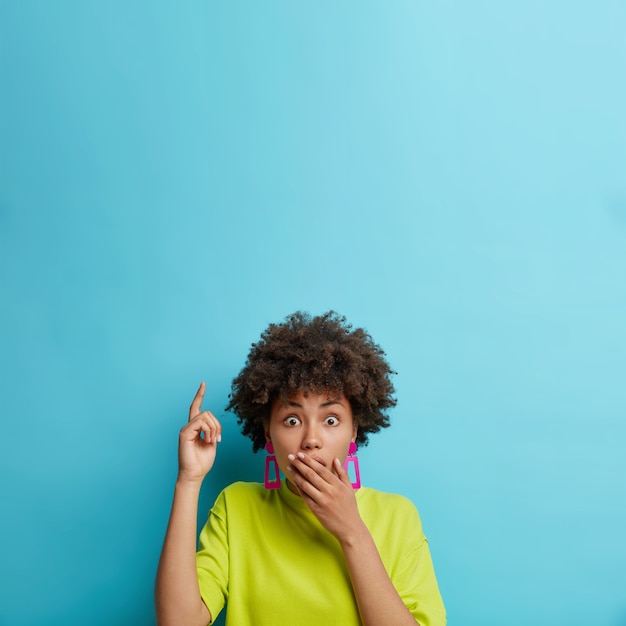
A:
(417, 586)
(212, 561)
(413, 574)
(396, 527)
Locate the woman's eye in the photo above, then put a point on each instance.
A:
(331, 420)
(292, 421)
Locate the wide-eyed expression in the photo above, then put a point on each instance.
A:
(318, 425)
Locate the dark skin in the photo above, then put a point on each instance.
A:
(311, 435)
(311, 441)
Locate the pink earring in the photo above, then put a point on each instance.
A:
(269, 470)
(352, 458)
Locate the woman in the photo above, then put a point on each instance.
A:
(314, 548)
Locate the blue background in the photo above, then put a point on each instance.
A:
(449, 175)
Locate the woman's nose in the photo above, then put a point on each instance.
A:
(311, 439)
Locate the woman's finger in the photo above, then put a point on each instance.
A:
(318, 467)
(310, 468)
(206, 423)
(309, 495)
(196, 404)
(305, 486)
(341, 473)
(215, 428)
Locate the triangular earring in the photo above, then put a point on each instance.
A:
(352, 458)
(271, 468)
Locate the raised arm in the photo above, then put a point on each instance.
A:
(177, 593)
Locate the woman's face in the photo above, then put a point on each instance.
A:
(318, 425)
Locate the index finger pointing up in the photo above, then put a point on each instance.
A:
(196, 405)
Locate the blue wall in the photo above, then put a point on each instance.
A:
(450, 175)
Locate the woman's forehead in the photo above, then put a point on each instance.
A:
(311, 398)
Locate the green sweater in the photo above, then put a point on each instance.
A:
(266, 555)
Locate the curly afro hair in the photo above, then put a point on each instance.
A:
(312, 355)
